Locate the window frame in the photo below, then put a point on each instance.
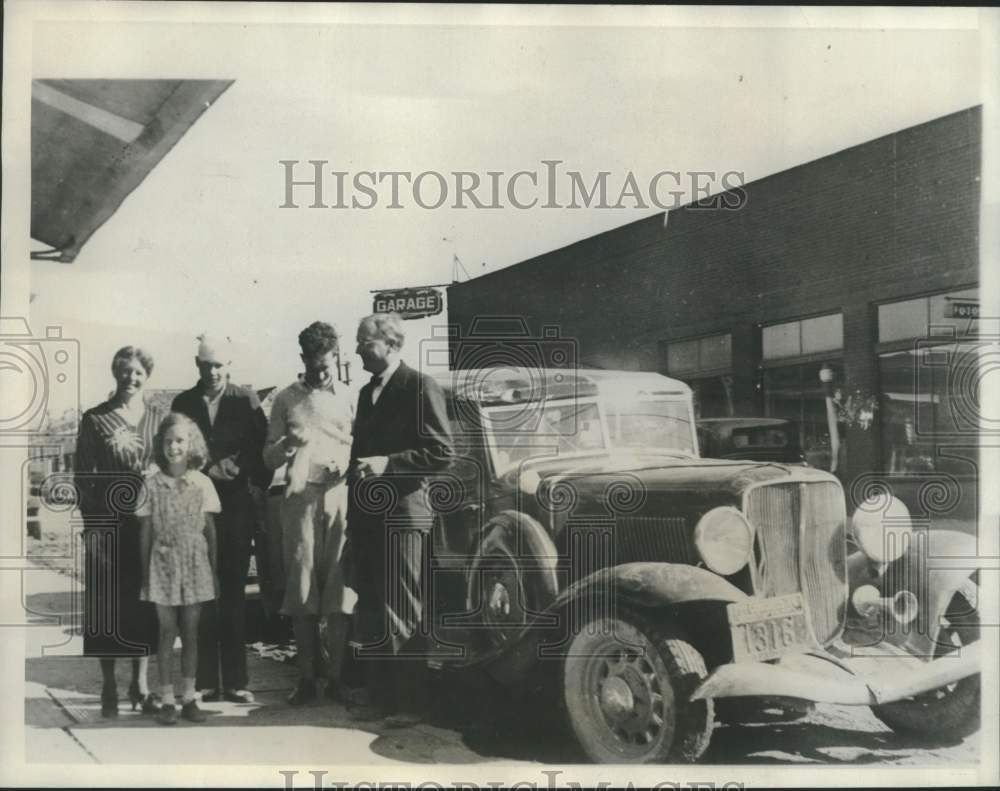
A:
(699, 372)
(802, 357)
(898, 344)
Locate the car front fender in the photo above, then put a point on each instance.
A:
(655, 585)
(939, 564)
(644, 585)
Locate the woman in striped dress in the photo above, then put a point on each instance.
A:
(114, 452)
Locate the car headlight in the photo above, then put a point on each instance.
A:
(882, 532)
(724, 539)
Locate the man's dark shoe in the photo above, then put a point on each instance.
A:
(304, 692)
(211, 696)
(192, 713)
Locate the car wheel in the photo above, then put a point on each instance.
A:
(952, 710)
(626, 689)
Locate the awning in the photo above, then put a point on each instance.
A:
(93, 142)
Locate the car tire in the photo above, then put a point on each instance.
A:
(626, 687)
(953, 710)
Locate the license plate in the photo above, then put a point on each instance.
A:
(765, 629)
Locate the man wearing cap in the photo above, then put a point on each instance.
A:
(235, 427)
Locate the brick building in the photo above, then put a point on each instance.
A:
(864, 262)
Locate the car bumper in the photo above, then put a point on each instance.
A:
(862, 679)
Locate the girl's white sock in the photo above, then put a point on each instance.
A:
(189, 693)
(167, 694)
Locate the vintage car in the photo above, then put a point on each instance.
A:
(751, 438)
(583, 541)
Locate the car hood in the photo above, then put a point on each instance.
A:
(654, 473)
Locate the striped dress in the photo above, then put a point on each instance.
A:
(111, 457)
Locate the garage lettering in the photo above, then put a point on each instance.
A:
(405, 304)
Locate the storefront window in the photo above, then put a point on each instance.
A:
(923, 408)
(795, 392)
(955, 313)
(705, 364)
(713, 396)
(802, 337)
(927, 409)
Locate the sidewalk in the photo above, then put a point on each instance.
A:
(63, 722)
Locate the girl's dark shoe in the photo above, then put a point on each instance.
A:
(304, 692)
(167, 714)
(192, 713)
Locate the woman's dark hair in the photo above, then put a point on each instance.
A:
(318, 338)
(197, 450)
(127, 354)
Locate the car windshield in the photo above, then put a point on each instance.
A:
(522, 431)
(654, 424)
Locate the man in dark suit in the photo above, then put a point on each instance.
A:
(235, 428)
(401, 439)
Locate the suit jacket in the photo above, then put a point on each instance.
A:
(409, 424)
(239, 431)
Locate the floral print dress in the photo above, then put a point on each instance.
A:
(180, 571)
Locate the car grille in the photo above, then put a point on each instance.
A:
(665, 539)
(600, 542)
(800, 547)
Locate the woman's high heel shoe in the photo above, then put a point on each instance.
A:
(147, 701)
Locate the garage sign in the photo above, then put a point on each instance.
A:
(409, 303)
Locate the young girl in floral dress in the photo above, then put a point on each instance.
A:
(177, 537)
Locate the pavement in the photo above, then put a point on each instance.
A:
(63, 722)
(475, 723)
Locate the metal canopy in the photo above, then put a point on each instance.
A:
(93, 142)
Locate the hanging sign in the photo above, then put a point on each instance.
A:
(963, 309)
(409, 303)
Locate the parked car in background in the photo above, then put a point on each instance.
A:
(752, 438)
(587, 553)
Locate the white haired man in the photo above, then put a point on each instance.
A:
(401, 439)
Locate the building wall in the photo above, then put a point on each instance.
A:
(890, 218)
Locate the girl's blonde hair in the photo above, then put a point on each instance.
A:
(197, 449)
